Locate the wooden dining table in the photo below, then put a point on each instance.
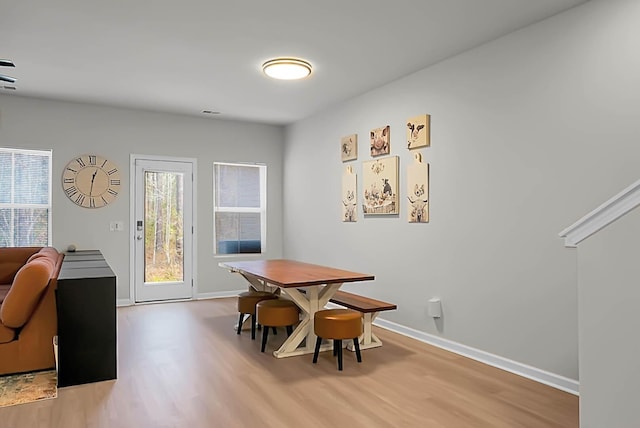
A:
(308, 285)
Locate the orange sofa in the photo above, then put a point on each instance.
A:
(28, 319)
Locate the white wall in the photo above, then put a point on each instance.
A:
(529, 132)
(72, 129)
(609, 321)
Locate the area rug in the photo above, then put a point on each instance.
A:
(28, 387)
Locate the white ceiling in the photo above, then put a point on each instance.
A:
(193, 55)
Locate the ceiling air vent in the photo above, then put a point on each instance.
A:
(5, 78)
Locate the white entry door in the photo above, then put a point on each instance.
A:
(163, 230)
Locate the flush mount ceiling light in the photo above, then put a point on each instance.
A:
(287, 68)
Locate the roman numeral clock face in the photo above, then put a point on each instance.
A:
(91, 181)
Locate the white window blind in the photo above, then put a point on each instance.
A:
(239, 208)
(25, 198)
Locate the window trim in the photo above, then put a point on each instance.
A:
(49, 206)
(262, 210)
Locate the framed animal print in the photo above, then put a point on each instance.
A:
(349, 196)
(349, 147)
(418, 191)
(380, 141)
(380, 186)
(419, 131)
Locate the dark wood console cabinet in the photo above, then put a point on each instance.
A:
(86, 301)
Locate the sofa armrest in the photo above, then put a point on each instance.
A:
(24, 294)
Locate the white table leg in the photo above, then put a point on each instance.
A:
(367, 340)
(246, 324)
(312, 293)
(290, 346)
(315, 298)
(258, 284)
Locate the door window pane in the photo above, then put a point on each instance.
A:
(164, 224)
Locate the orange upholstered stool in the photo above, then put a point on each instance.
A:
(276, 313)
(247, 302)
(337, 324)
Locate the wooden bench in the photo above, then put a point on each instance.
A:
(370, 308)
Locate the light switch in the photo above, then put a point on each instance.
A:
(116, 226)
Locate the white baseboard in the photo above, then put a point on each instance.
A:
(218, 294)
(556, 381)
(200, 296)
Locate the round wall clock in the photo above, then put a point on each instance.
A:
(91, 181)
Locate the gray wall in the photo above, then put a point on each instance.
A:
(609, 319)
(529, 133)
(72, 129)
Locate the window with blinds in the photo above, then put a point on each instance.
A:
(25, 198)
(239, 208)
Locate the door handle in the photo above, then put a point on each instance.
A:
(139, 237)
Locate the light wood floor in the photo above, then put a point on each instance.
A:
(182, 365)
